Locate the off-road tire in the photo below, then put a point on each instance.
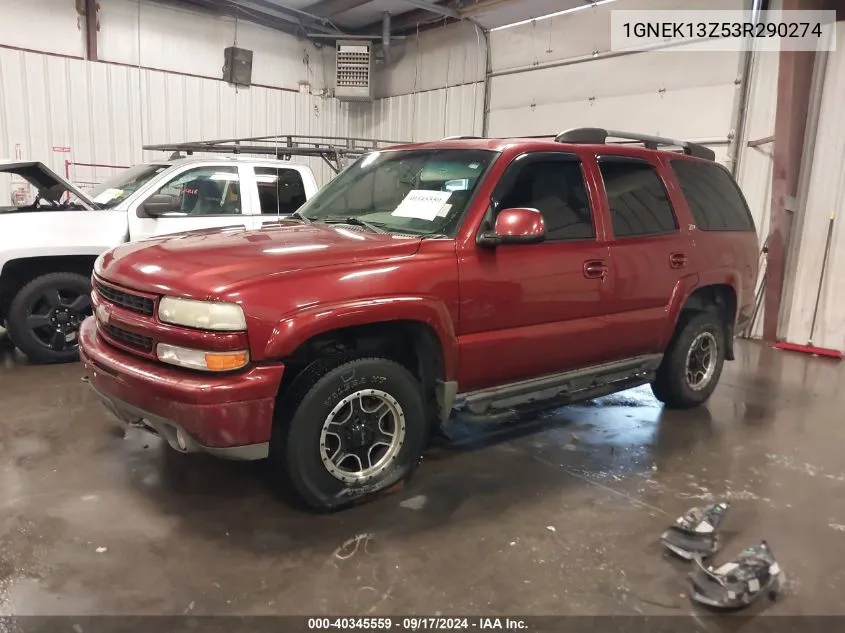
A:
(295, 451)
(671, 386)
(21, 336)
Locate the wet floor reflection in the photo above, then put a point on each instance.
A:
(555, 512)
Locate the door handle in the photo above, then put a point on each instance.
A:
(595, 269)
(677, 260)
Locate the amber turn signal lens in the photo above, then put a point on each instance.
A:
(226, 361)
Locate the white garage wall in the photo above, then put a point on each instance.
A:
(104, 112)
(433, 87)
(176, 39)
(826, 196)
(559, 73)
(61, 30)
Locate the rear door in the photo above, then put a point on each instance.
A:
(649, 252)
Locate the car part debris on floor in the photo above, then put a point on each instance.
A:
(753, 573)
(738, 583)
(695, 532)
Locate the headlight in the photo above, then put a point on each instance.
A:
(98, 264)
(203, 315)
(198, 359)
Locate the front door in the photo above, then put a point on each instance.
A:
(202, 197)
(532, 309)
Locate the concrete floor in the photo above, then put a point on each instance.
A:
(558, 515)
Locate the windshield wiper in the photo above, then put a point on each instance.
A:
(297, 215)
(355, 222)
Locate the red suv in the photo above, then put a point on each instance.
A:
(469, 274)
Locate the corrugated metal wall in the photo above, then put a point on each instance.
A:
(423, 116)
(433, 87)
(57, 108)
(104, 113)
(825, 200)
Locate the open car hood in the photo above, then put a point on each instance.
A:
(41, 176)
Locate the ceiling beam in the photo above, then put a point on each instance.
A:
(432, 7)
(216, 7)
(328, 8)
(408, 21)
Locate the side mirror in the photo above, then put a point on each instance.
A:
(515, 226)
(160, 204)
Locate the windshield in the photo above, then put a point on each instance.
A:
(420, 192)
(116, 189)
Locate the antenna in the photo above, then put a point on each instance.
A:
(278, 180)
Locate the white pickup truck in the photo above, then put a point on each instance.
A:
(48, 245)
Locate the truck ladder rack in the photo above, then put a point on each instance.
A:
(599, 136)
(334, 150)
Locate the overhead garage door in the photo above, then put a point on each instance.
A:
(558, 73)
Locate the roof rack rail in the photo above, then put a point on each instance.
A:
(459, 137)
(599, 136)
(334, 150)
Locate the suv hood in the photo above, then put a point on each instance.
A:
(209, 264)
(43, 178)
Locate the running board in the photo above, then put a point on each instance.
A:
(606, 378)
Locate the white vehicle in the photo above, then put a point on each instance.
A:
(48, 245)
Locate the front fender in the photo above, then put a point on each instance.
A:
(295, 329)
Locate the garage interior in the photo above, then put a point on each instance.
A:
(558, 514)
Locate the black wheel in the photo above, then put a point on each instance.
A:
(45, 315)
(349, 429)
(693, 362)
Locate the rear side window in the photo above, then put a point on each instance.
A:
(713, 197)
(638, 201)
(280, 191)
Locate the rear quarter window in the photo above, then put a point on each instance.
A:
(713, 197)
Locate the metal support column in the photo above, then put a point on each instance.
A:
(91, 28)
(793, 99)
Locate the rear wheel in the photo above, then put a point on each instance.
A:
(693, 362)
(45, 315)
(355, 427)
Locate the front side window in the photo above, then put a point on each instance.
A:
(280, 190)
(119, 187)
(555, 187)
(639, 204)
(204, 191)
(419, 192)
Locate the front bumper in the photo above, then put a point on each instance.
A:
(227, 415)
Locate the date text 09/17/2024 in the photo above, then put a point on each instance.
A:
(416, 623)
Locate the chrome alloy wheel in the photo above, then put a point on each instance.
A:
(701, 361)
(362, 435)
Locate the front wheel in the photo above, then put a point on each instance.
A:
(693, 362)
(357, 427)
(45, 315)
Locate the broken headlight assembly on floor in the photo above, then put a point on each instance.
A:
(694, 533)
(738, 583)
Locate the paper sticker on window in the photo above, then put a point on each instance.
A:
(444, 210)
(108, 195)
(422, 204)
